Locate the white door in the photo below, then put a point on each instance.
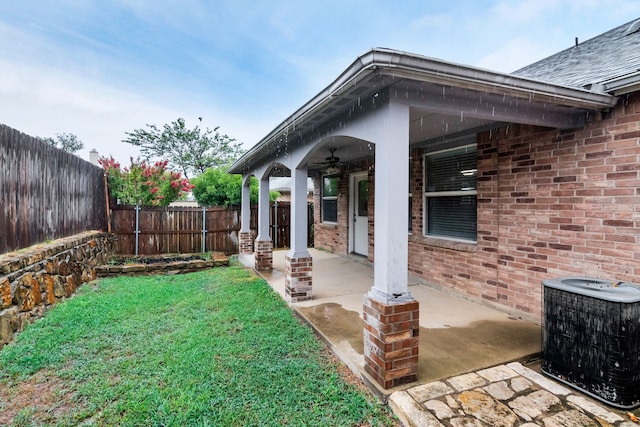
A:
(360, 214)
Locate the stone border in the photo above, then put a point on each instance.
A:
(145, 265)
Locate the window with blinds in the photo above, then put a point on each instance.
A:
(330, 199)
(450, 193)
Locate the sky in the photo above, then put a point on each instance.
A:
(99, 68)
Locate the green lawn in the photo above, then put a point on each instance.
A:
(215, 348)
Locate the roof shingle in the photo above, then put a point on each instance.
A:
(610, 55)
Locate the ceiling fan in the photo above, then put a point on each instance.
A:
(332, 163)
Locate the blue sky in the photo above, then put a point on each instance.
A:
(101, 68)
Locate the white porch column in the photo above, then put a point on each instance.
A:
(391, 208)
(246, 244)
(390, 314)
(264, 246)
(298, 262)
(299, 211)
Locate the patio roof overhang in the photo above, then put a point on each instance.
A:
(446, 99)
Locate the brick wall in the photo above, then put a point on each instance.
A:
(332, 237)
(550, 203)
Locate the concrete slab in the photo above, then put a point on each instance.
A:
(456, 335)
(466, 373)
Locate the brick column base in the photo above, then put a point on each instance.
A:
(246, 242)
(298, 278)
(264, 255)
(391, 342)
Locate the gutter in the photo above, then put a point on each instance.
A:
(418, 68)
(622, 85)
(431, 70)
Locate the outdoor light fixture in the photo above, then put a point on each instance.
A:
(469, 172)
(332, 170)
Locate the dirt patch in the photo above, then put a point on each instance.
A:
(41, 399)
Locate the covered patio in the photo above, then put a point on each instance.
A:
(457, 335)
(406, 153)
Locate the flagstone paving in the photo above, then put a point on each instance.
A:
(503, 396)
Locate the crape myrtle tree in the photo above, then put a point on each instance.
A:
(191, 151)
(68, 142)
(215, 187)
(144, 184)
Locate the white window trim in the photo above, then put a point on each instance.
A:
(323, 198)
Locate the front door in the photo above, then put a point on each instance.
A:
(360, 214)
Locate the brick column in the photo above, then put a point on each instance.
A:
(246, 242)
(298, 278)
(245, 237)
(391, 341)
(264, 255)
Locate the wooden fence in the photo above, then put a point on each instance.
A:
(180, 229)
(45, 193)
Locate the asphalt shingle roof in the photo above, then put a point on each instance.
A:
(613, 54)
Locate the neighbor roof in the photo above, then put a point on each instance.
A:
(601, 63)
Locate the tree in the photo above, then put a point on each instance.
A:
(143, 184)
(190, 150)
(68, 142)
(215, 187)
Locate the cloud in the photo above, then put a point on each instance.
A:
(431, 21)
(508, 12)
(514, 55)
(99, 69)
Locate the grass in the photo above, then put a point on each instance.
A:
(211, 348)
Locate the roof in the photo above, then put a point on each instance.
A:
(382, 68)
(609, 62)
(585, 77)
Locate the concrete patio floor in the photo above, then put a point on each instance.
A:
(456, 335)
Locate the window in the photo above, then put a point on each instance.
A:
(450, 193)
(330, 199)
(363, 198)
(410, 195)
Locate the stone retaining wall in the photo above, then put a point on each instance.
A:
(35, 278)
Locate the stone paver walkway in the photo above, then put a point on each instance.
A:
(503, 396)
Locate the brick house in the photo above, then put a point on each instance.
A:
(476, 181)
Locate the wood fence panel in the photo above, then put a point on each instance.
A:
(123, 225)
(175, 230)
(179, 229)
(280, 224)
(45, 193)
(223, 227)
